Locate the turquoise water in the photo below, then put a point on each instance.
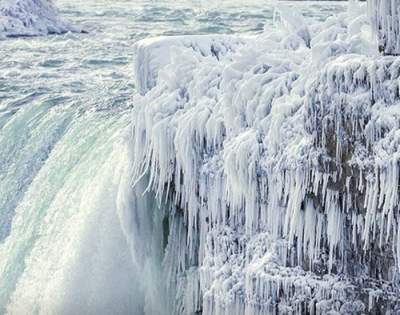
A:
(64, 147)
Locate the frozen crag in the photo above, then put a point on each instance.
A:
(272, 165)
(31, 18)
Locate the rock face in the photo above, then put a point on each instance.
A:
(31, 18)
(275, 165)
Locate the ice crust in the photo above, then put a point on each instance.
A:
(275, 159)
(31, 18)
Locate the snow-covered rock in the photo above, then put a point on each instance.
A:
(31, 18)
(277, 167)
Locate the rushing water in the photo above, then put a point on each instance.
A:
(64, 128)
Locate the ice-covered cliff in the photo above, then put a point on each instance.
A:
(274, 163)
(31, 18)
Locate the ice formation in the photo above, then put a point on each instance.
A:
(274, 164)
(386, 14)
(153, 53)
(31, 18)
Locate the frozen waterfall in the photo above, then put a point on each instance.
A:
(239, 175)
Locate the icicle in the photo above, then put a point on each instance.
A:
(385, 21)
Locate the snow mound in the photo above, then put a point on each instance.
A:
(31, 18)
(277, 165)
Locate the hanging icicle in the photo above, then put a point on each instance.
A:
(385, 16)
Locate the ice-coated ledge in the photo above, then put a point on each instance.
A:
(31, 18)
(154, 53)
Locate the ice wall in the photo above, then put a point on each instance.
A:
(277, 166)
(31, 18)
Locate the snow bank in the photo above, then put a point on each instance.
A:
(31, 18)
(278, 161)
